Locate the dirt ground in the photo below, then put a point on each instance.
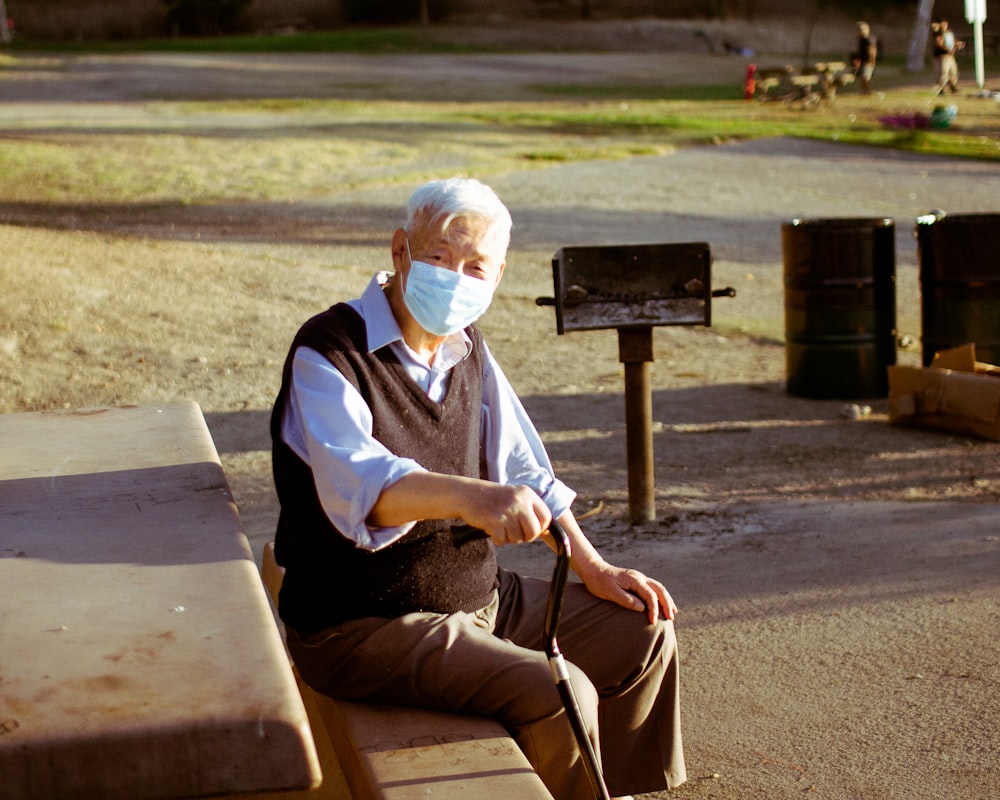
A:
(838, 578)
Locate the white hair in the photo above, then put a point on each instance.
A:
(459, 197)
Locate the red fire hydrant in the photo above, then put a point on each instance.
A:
(750, 84)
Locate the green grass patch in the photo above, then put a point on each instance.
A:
(286, 150)
(641, 92)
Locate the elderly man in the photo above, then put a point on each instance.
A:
(393, 425)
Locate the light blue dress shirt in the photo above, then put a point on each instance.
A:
(329, 426)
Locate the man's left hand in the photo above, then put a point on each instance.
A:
(632, 589)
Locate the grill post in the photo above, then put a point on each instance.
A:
(635, 351)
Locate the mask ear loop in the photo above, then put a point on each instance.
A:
(409, 256)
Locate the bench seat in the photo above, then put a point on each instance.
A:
(395, 753)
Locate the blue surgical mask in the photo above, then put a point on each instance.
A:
(443, 301)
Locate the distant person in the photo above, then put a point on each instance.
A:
(865, 56)
(945, 64)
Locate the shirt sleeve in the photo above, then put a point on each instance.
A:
(514, 450)
(329, 426)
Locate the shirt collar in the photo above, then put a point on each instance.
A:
(384, 330)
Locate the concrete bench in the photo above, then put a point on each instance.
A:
(398, 753)
(139, 655)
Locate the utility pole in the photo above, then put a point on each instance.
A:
(975, 13)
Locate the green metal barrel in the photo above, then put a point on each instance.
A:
(959, 283)
(840, 307)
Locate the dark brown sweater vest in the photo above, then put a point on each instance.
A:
(327, 578)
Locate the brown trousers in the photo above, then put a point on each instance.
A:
(492, 663)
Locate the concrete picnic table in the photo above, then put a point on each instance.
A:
(139, 656)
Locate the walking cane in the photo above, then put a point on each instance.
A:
(557, 590)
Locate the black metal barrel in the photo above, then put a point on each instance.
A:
(840, 307)
(959, 283)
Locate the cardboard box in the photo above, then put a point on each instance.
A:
(956, 393)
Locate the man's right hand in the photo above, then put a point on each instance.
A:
(508, 514)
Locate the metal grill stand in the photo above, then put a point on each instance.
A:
(634, 288)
